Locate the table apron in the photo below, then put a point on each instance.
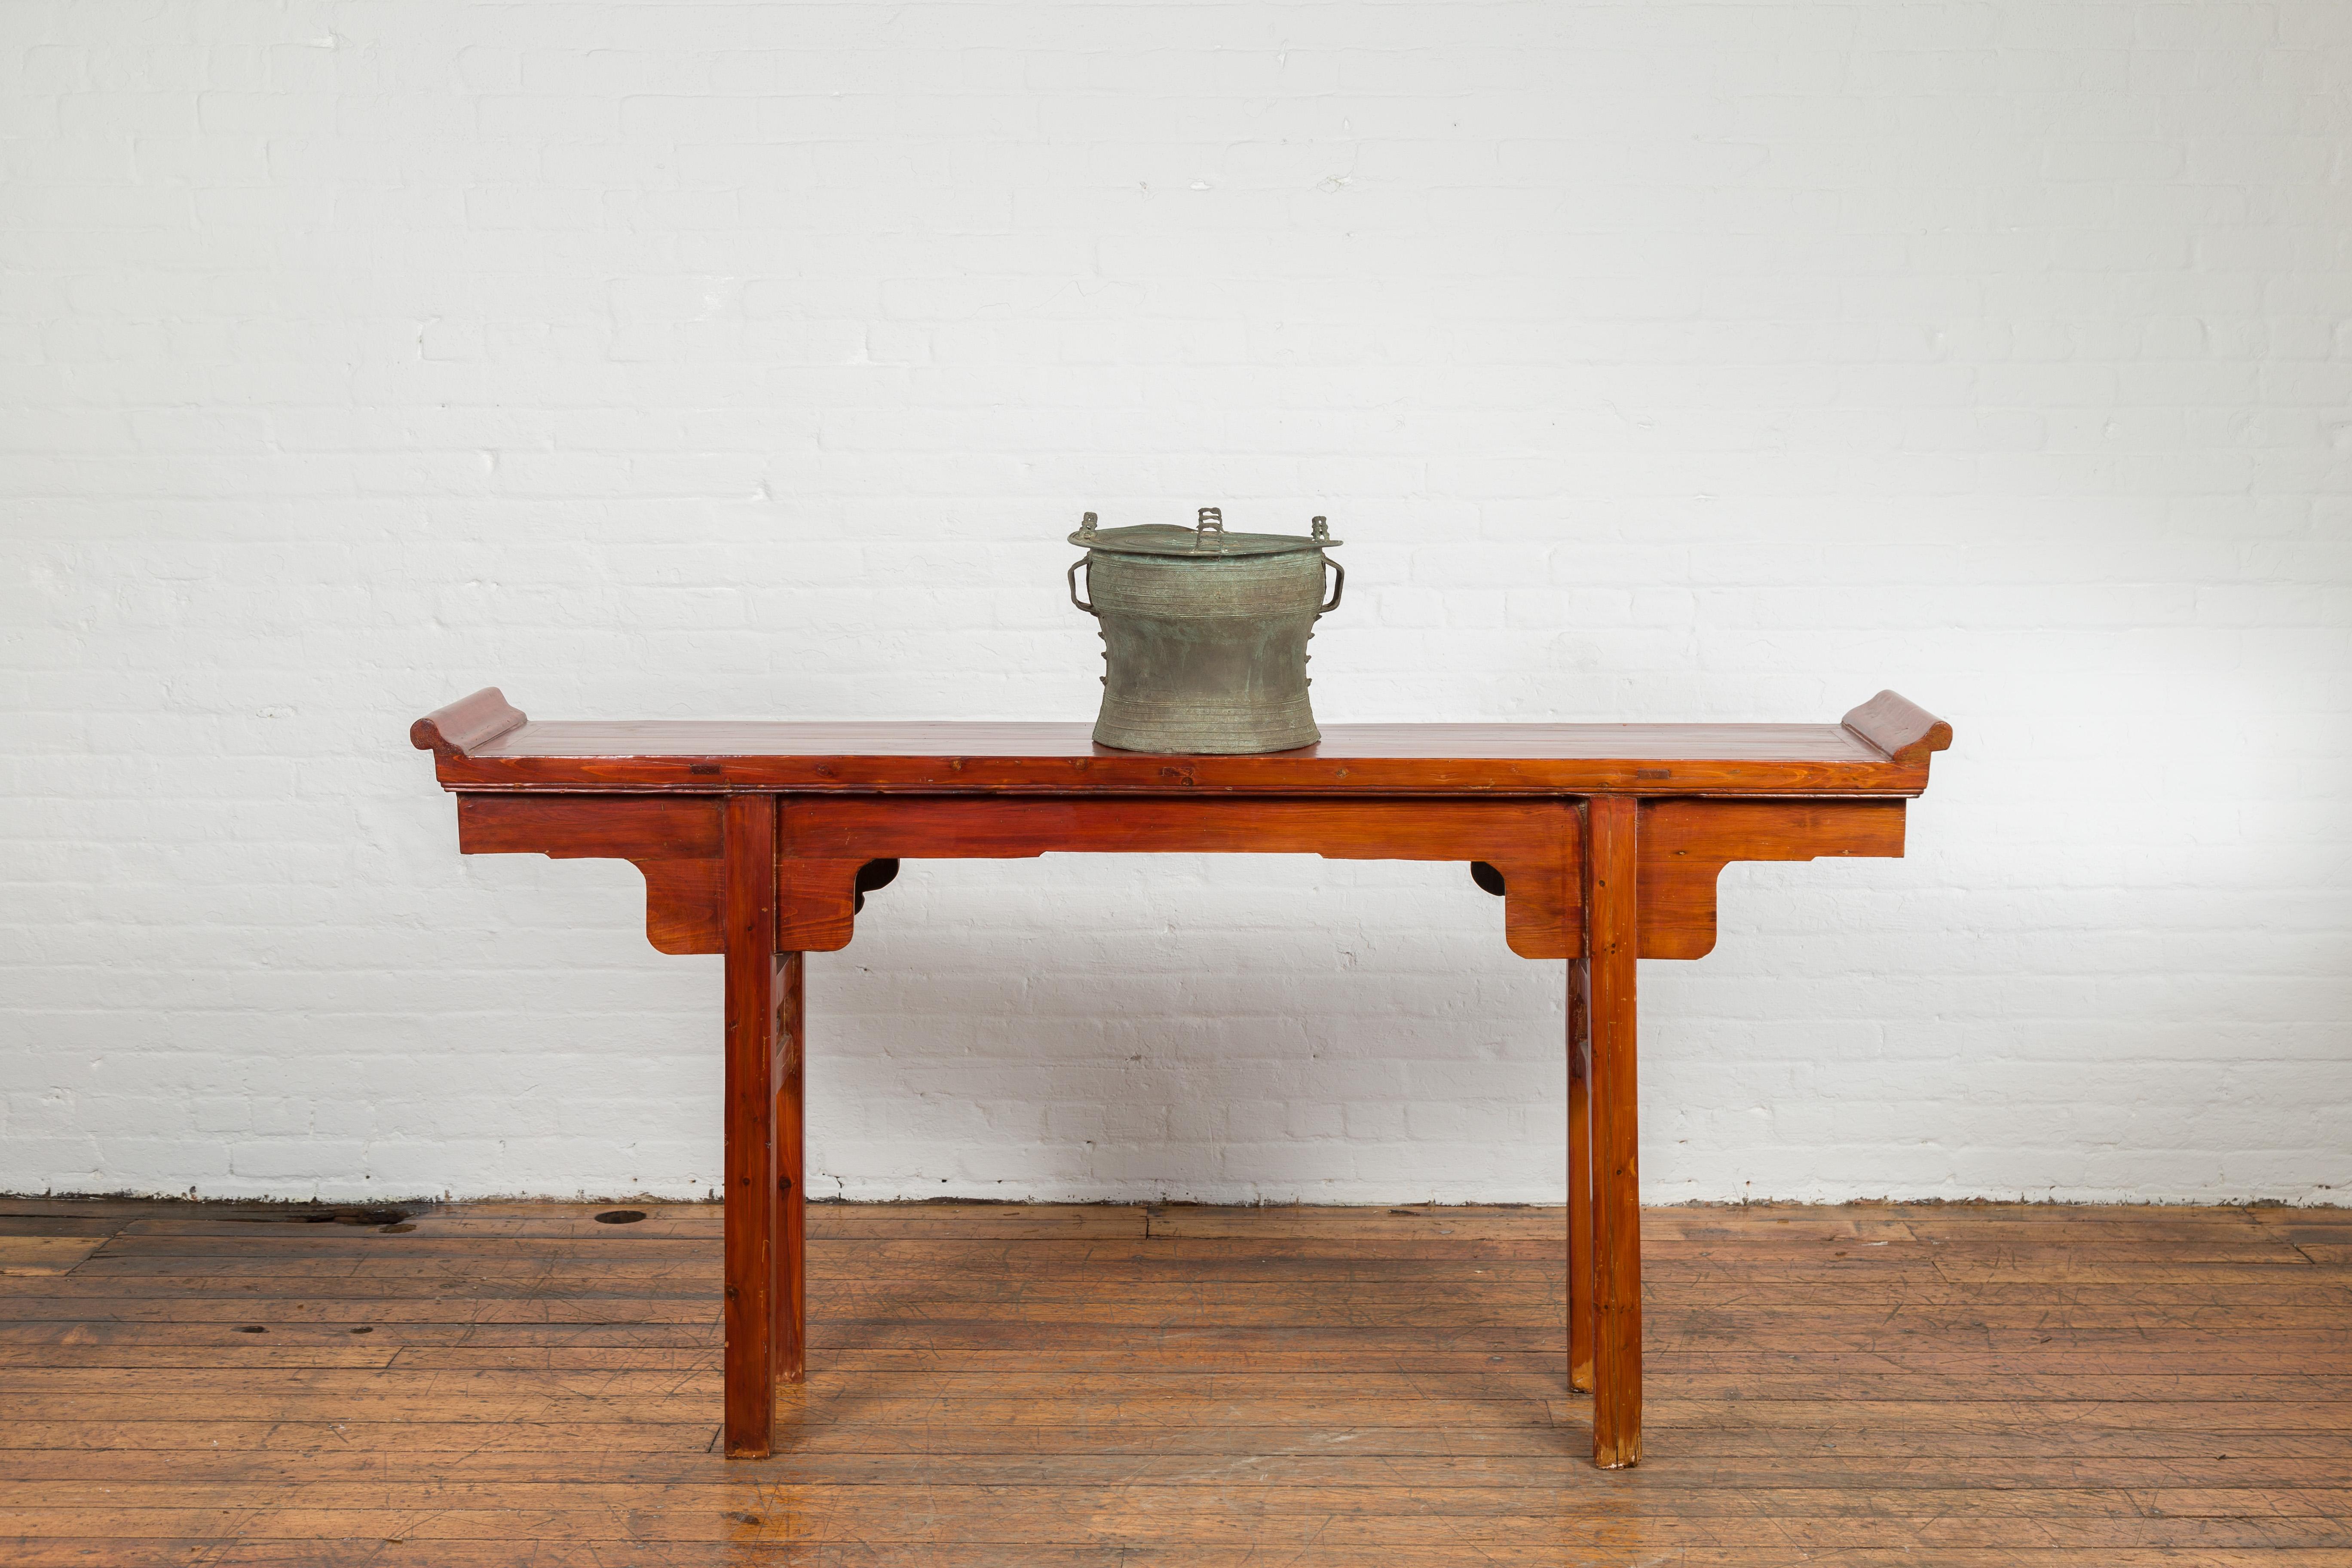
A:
(679, 842)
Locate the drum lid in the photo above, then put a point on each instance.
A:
(1208, 540)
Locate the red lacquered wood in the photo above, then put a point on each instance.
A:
(1610, 838)
(1579, 1174)
(673, 839)
(676, 841)
(1610, 861)
(1899, 727)
(826, 839)
(686, 903)
(618, 827)
(1062, 759)
(1686, 843)
(752, 1209)
(467, 725)
(791, 1230)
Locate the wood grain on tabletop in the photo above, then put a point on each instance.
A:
(1099, 1386)
(482, 741)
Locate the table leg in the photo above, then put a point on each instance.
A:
(752, 1209)
(791, 1301)
(1580, 1175)
(1610, 824)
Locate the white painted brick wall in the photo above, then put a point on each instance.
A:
(1667, 360)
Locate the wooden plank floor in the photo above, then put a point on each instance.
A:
(499, 1384)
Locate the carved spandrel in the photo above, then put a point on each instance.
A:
(1686, 843)
(684, 905)
(676, 841)
(816, 904)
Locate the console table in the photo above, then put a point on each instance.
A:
(761, 840)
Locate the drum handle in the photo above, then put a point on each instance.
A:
(1081, 604)
(1339, 585)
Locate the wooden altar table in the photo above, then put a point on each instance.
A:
(760, 841)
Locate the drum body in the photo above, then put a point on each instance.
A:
(1204, 650)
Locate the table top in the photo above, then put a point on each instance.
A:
(484, 743)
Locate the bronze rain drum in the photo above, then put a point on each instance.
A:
(1204, 632)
